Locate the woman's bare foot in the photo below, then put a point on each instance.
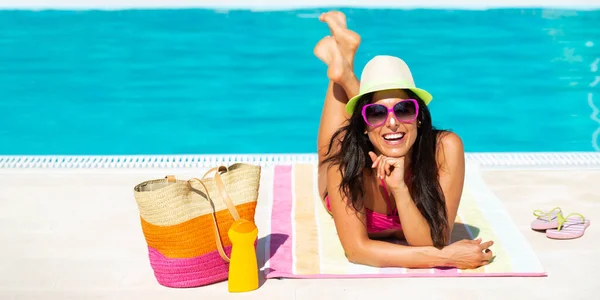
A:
(338, 69)
(347, 40)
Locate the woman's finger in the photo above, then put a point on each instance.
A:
(373, 157)
(486, 245)
(401, 162)
(376, 165)
(375, 162)
(381, 169)
(389, 163)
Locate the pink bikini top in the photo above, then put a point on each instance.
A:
(377, 222)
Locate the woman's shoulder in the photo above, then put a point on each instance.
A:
(450, 147)
(450, 139)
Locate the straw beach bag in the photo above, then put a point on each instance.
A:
(185, 222)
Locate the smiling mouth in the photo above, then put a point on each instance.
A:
(394, 137)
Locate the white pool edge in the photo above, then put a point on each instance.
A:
(495, 160)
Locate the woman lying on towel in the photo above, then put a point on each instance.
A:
(384, 170)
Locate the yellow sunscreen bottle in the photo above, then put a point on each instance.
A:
(243, 267)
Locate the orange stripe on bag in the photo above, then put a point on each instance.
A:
(194, 237)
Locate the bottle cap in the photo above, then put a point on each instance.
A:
(243, 226)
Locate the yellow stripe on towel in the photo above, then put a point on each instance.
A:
(304, 218)
(471, 214)
(333, 258)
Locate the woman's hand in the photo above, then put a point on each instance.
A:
(390, 169)
(468, 254)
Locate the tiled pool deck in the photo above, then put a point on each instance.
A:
(69, 230)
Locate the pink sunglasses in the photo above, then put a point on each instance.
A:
(405, 111)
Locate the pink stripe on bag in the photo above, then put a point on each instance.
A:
(189, 272)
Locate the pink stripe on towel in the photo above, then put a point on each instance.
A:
(281, 221)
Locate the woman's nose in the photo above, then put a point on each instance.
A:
(392, 122)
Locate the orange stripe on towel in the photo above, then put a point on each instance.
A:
(194, 237)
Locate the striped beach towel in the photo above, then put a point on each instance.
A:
(300, 239)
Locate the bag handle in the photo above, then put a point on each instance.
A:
(232, 210)
(221, 188)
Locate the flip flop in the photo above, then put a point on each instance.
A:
(570, 227)
(546, 220)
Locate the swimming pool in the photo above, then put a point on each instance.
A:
(207, 81)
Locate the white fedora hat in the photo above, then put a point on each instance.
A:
(385, 72)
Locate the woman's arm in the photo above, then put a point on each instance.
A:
(414, 225)
(451, 162)
(360, 249)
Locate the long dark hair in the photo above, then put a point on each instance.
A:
(423, 182)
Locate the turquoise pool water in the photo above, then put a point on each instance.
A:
(205, 82)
